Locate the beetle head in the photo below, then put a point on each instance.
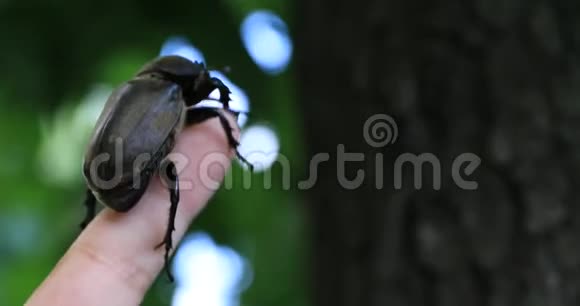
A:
(174, 68)
(193, 77)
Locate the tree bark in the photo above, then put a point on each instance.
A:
(498, 78)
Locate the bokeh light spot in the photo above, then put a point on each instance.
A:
(70, 129)
(259, 144)
(207, 274)
(265, 37)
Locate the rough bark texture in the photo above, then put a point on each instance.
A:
(499, 78)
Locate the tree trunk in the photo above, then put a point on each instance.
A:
(498, 78)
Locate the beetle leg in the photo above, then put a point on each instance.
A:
(203, 90)
(233, 142)
(224, 92)
(90, 204)
(200, 114)
(169, 173)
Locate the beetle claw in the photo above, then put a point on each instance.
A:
(166, 242)
(162, 243)
(245, 161)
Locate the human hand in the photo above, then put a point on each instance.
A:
(114, 260)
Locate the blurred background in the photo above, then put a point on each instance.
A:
(496, 78)
(63, 59)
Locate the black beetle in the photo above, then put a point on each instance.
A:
(137, 129)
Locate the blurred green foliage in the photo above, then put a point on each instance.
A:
(53, 54)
